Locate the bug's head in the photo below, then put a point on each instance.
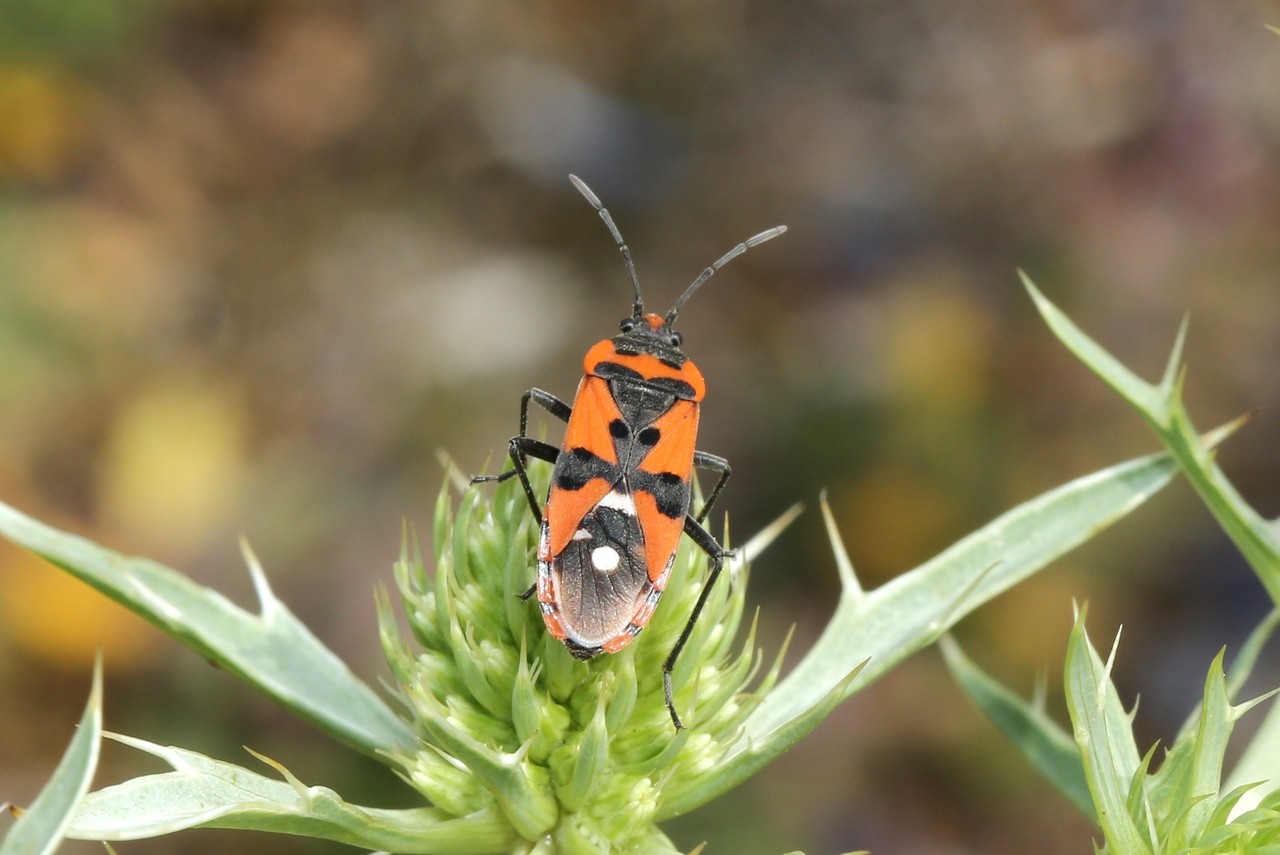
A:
(649, 334)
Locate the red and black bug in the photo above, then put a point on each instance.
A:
(620, 491)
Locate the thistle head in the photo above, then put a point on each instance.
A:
(581, 754)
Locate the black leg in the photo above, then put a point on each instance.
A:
(717, 554)
(548, 402)
(519, 447)
(713, 463)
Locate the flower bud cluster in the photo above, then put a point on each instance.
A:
(573, 756)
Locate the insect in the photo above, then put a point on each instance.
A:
(620, 491)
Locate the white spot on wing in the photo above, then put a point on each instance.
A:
(605, 559)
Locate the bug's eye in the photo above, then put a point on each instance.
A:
(676, 339)
(627, 325)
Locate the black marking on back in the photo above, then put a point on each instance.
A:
(668, 489)
(580, 652)
(579, 465)
(640, 403)
(618, 374)
(616, 371)
(679, 388)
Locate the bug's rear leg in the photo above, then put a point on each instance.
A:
(708, 544)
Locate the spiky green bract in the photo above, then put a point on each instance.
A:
(577, 757)
(203, 792)
(1258, 539)
(271, 649)
(1181, 808)
(39, 830)
(1046, 745)
(1054, 752)
(1161, 405)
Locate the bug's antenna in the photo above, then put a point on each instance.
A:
(769, 234)
(638, 309)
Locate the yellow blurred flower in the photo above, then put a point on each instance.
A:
(63, 622)
(172, 466)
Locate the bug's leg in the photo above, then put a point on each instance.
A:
(522, 445)
(717, 554)
(713, 463)
(548, 402)
(518, 448)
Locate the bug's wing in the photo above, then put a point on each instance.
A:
(665, 472)
(598, 586)
(591, 558)
(587, 467)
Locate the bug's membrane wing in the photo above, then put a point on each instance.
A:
(604, 588)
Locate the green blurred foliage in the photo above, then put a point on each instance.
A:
(73, 31)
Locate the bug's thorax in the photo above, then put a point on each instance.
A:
(646, 358)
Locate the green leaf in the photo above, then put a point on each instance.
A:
(1146, 397)
(684, 795)
(871, 632)
(1260, 762)
(1048, 747)
(271, 650)
(202, 792)
(40, 829)
(1162, 407)
(1184, 791)
(1242, 664)
(1104, 735)
(885, 626)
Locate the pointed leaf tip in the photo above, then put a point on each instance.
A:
(40, 829)
(268, 605)
(1026, 281)
(1175, 370)
(453, 473)
(844, 566)
(750, 550)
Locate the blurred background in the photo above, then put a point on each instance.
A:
(260, 262)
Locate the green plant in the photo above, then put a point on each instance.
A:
(1184, 805)
(39, 830)
(518, 747)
